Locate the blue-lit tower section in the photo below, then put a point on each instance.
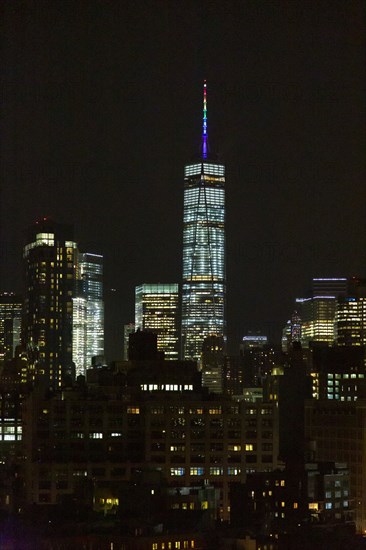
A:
(204, 285)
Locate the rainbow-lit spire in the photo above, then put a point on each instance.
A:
(204, 129)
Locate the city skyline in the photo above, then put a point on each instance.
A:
(97, 127)
(182, 341)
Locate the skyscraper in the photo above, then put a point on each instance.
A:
(11, 307)
(156, 310)
(204, 284)
(88, 311)
(50, 256)
(318, 312)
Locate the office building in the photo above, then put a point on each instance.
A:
(191, 438)
(349, 322)
(88, 311)
(329, 286)
(317, 312)
(204, 284)
(50, 256)
(350, 318)
(337, 372)
(318, 315)
(11, 307)
(156, 310)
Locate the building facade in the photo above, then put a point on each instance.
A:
(49, 256)
(204, 278)
(190, 439)
(156, 310)
(11, 307)
(88, 311)
(318, 316)
(339, 432)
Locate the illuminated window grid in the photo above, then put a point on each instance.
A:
(156, 309)
(203, 292)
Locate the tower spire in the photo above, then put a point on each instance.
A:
(204, 127)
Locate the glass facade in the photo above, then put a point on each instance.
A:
(156, 310)
(203, 288)
(88, 312)
(318, 315)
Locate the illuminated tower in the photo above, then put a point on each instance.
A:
(50, 256)
(88, 312)
(203, 288)
(156, 310)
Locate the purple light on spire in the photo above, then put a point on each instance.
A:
(204, 129)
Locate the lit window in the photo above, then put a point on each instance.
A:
(234, 448)
(133, 410)
(196, 471)
(216, 471)
(177, 471)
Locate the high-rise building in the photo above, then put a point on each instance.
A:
(11, 307)
(253, 340)
(50, 256)
(317, 312)
(156, 310)
(204, 279)
(317, 315)
(349, 322)
(350, 318)
(329, 286)
(88, 311)
(212, 363)
(127, 330)
(291, 332)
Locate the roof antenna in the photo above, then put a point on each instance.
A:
(204, 129)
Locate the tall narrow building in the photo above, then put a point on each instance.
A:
(204, 278)
(50, 256)
(88, 311)
(11, 307)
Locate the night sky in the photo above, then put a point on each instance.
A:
(102, 108)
